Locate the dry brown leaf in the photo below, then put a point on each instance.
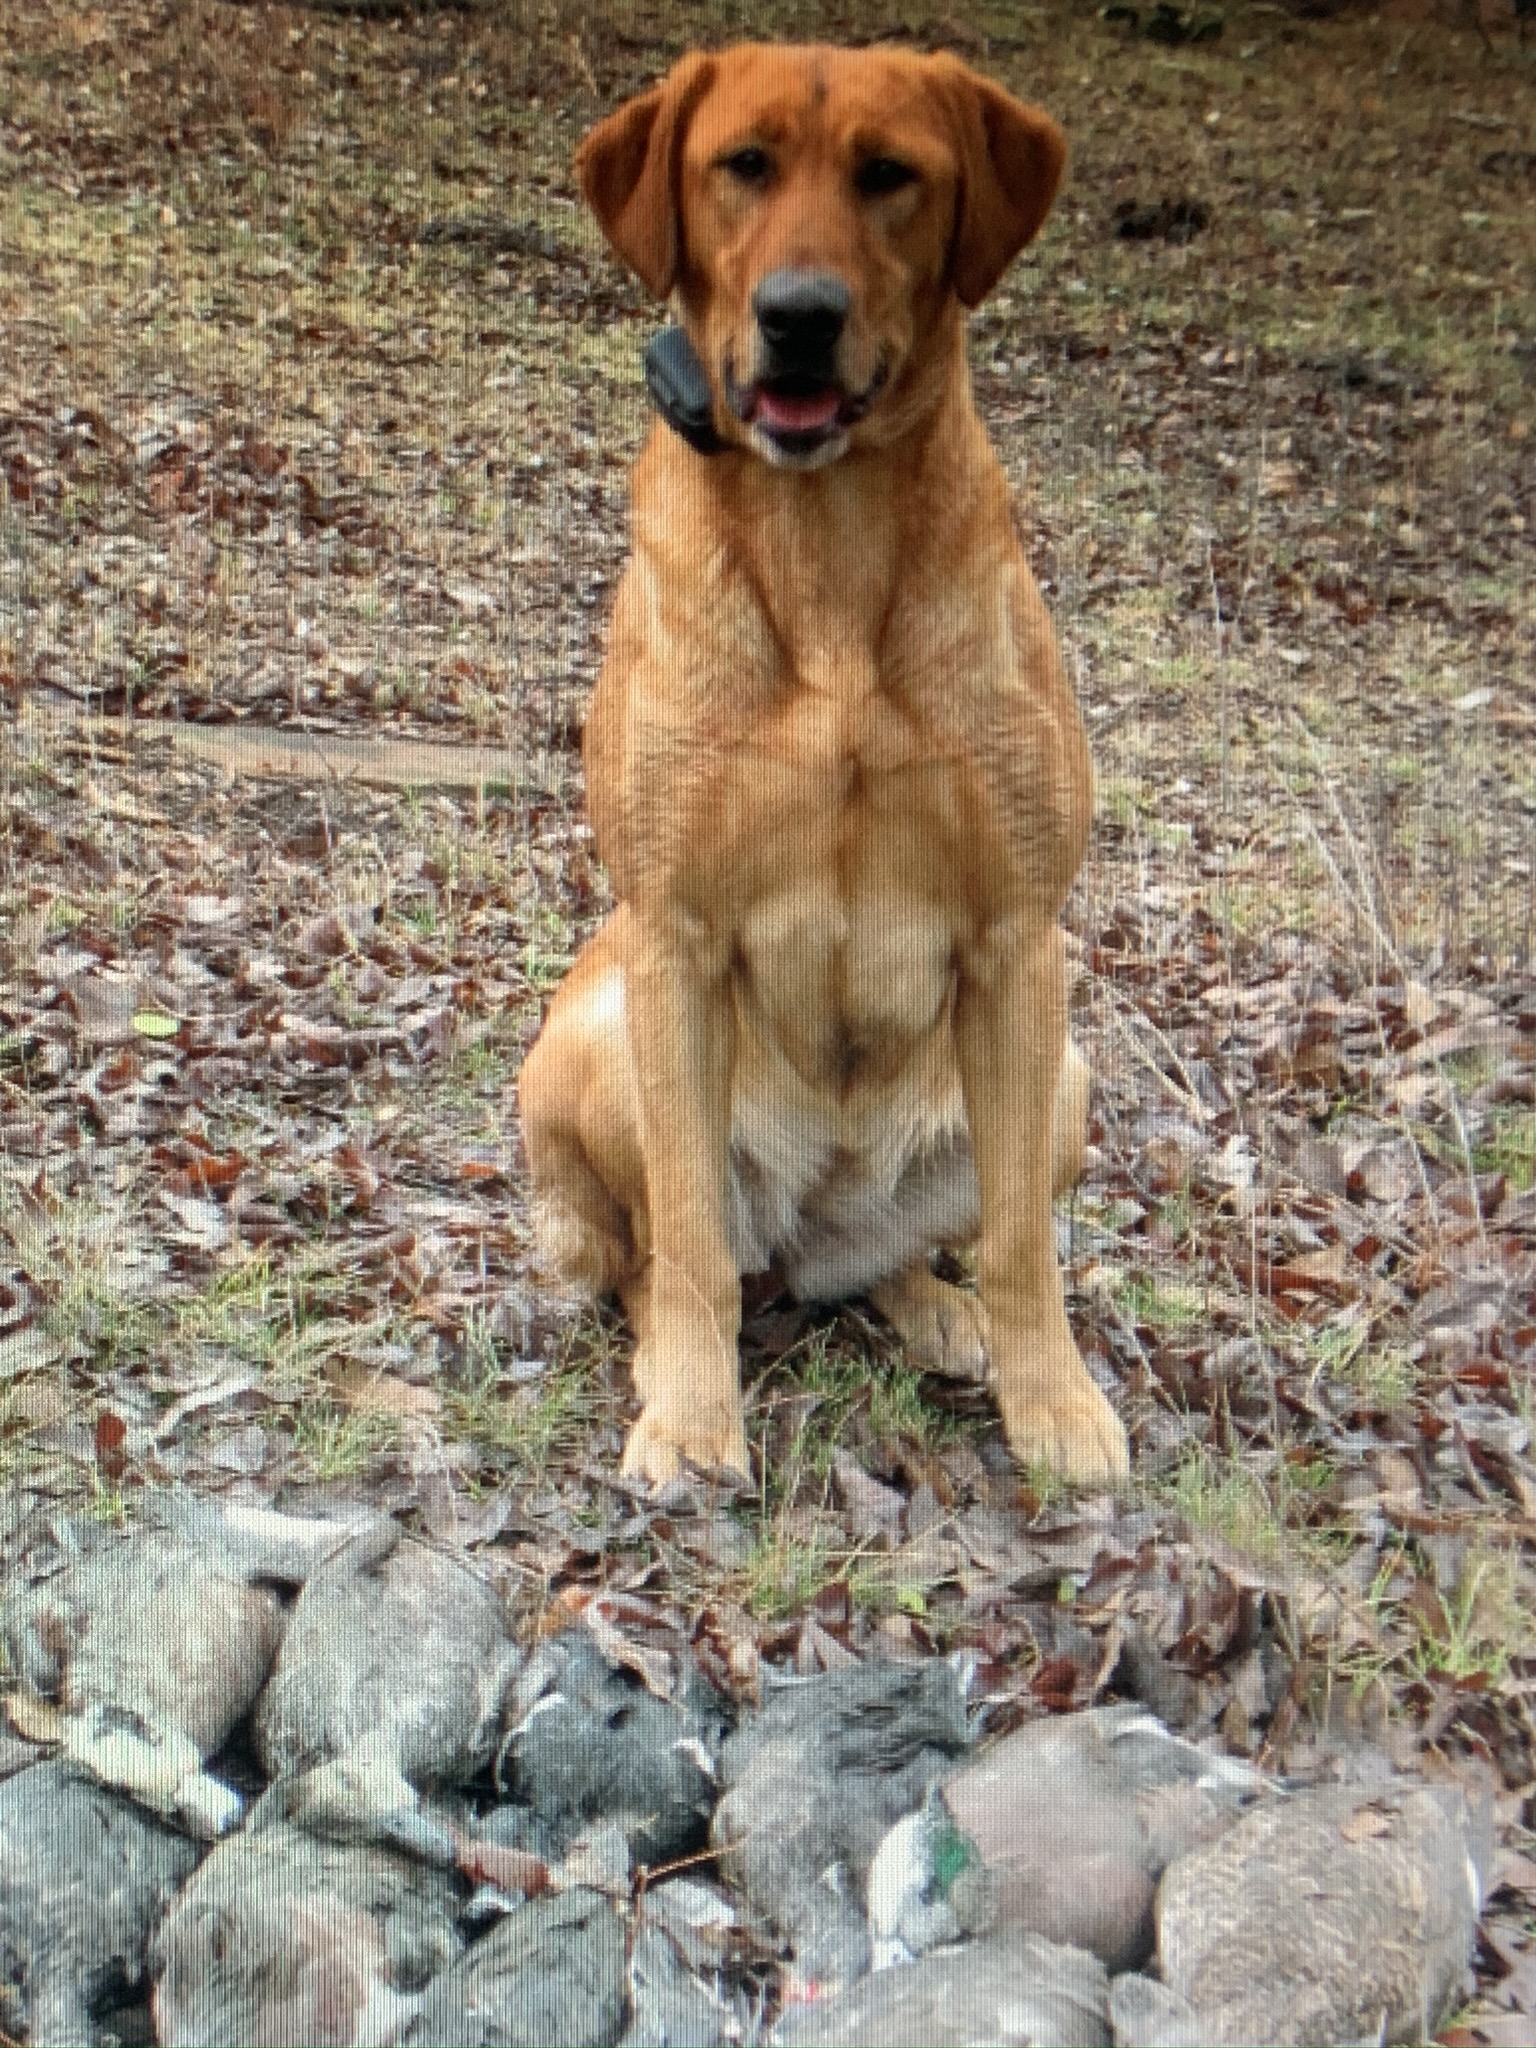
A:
(656, 1668)
(1365, 1823)
(370, 1392)
(1421, 1006)
(509, 1870)
(1387, 1173)
(104, 1006)
(325, 938)
(875, 1513)
(211, 910)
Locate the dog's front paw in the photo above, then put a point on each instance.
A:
(942, 1329)
(709, 1437)
(1059, 1418)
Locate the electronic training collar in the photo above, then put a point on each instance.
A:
(679, 389)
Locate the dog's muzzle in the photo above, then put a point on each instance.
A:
(797, 401)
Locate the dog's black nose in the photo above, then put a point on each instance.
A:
(800, 313)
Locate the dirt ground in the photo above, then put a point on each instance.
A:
(317, 394)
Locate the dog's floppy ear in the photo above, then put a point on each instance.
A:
(1011, 160)
(628, 171)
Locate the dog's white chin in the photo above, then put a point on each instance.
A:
(819, 457)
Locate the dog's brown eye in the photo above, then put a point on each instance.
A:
(878, 175)
(751, 164)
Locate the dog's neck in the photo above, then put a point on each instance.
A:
(828, 553)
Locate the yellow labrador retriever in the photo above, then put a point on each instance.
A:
(833, 763)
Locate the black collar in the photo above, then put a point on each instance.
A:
(680, 391)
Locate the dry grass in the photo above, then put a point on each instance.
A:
(319, 397)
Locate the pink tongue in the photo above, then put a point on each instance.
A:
(796, 415)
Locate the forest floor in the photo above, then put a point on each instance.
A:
(317, 396)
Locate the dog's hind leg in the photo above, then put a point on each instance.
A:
(581, 1234)
(943, 1329)
(580, 1130)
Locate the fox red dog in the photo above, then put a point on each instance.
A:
(833, 765)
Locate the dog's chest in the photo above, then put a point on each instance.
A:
(849, 883)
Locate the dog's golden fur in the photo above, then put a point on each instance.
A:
(836, 773)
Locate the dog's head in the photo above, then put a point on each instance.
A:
(820, 215)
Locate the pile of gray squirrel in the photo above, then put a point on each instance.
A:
(279, 1778)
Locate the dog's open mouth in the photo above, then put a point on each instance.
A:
(800, 414)
(797, 415)
(796, 412)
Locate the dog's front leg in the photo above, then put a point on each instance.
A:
(1011, 1035)
(678, 1008)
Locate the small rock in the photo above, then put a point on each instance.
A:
(1336, 1915)
(84, 1879)
(282, 1939)
(1170, 25)
(591, 1741)
(550, 1975)
(812, 1783)
(1014, 1991)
